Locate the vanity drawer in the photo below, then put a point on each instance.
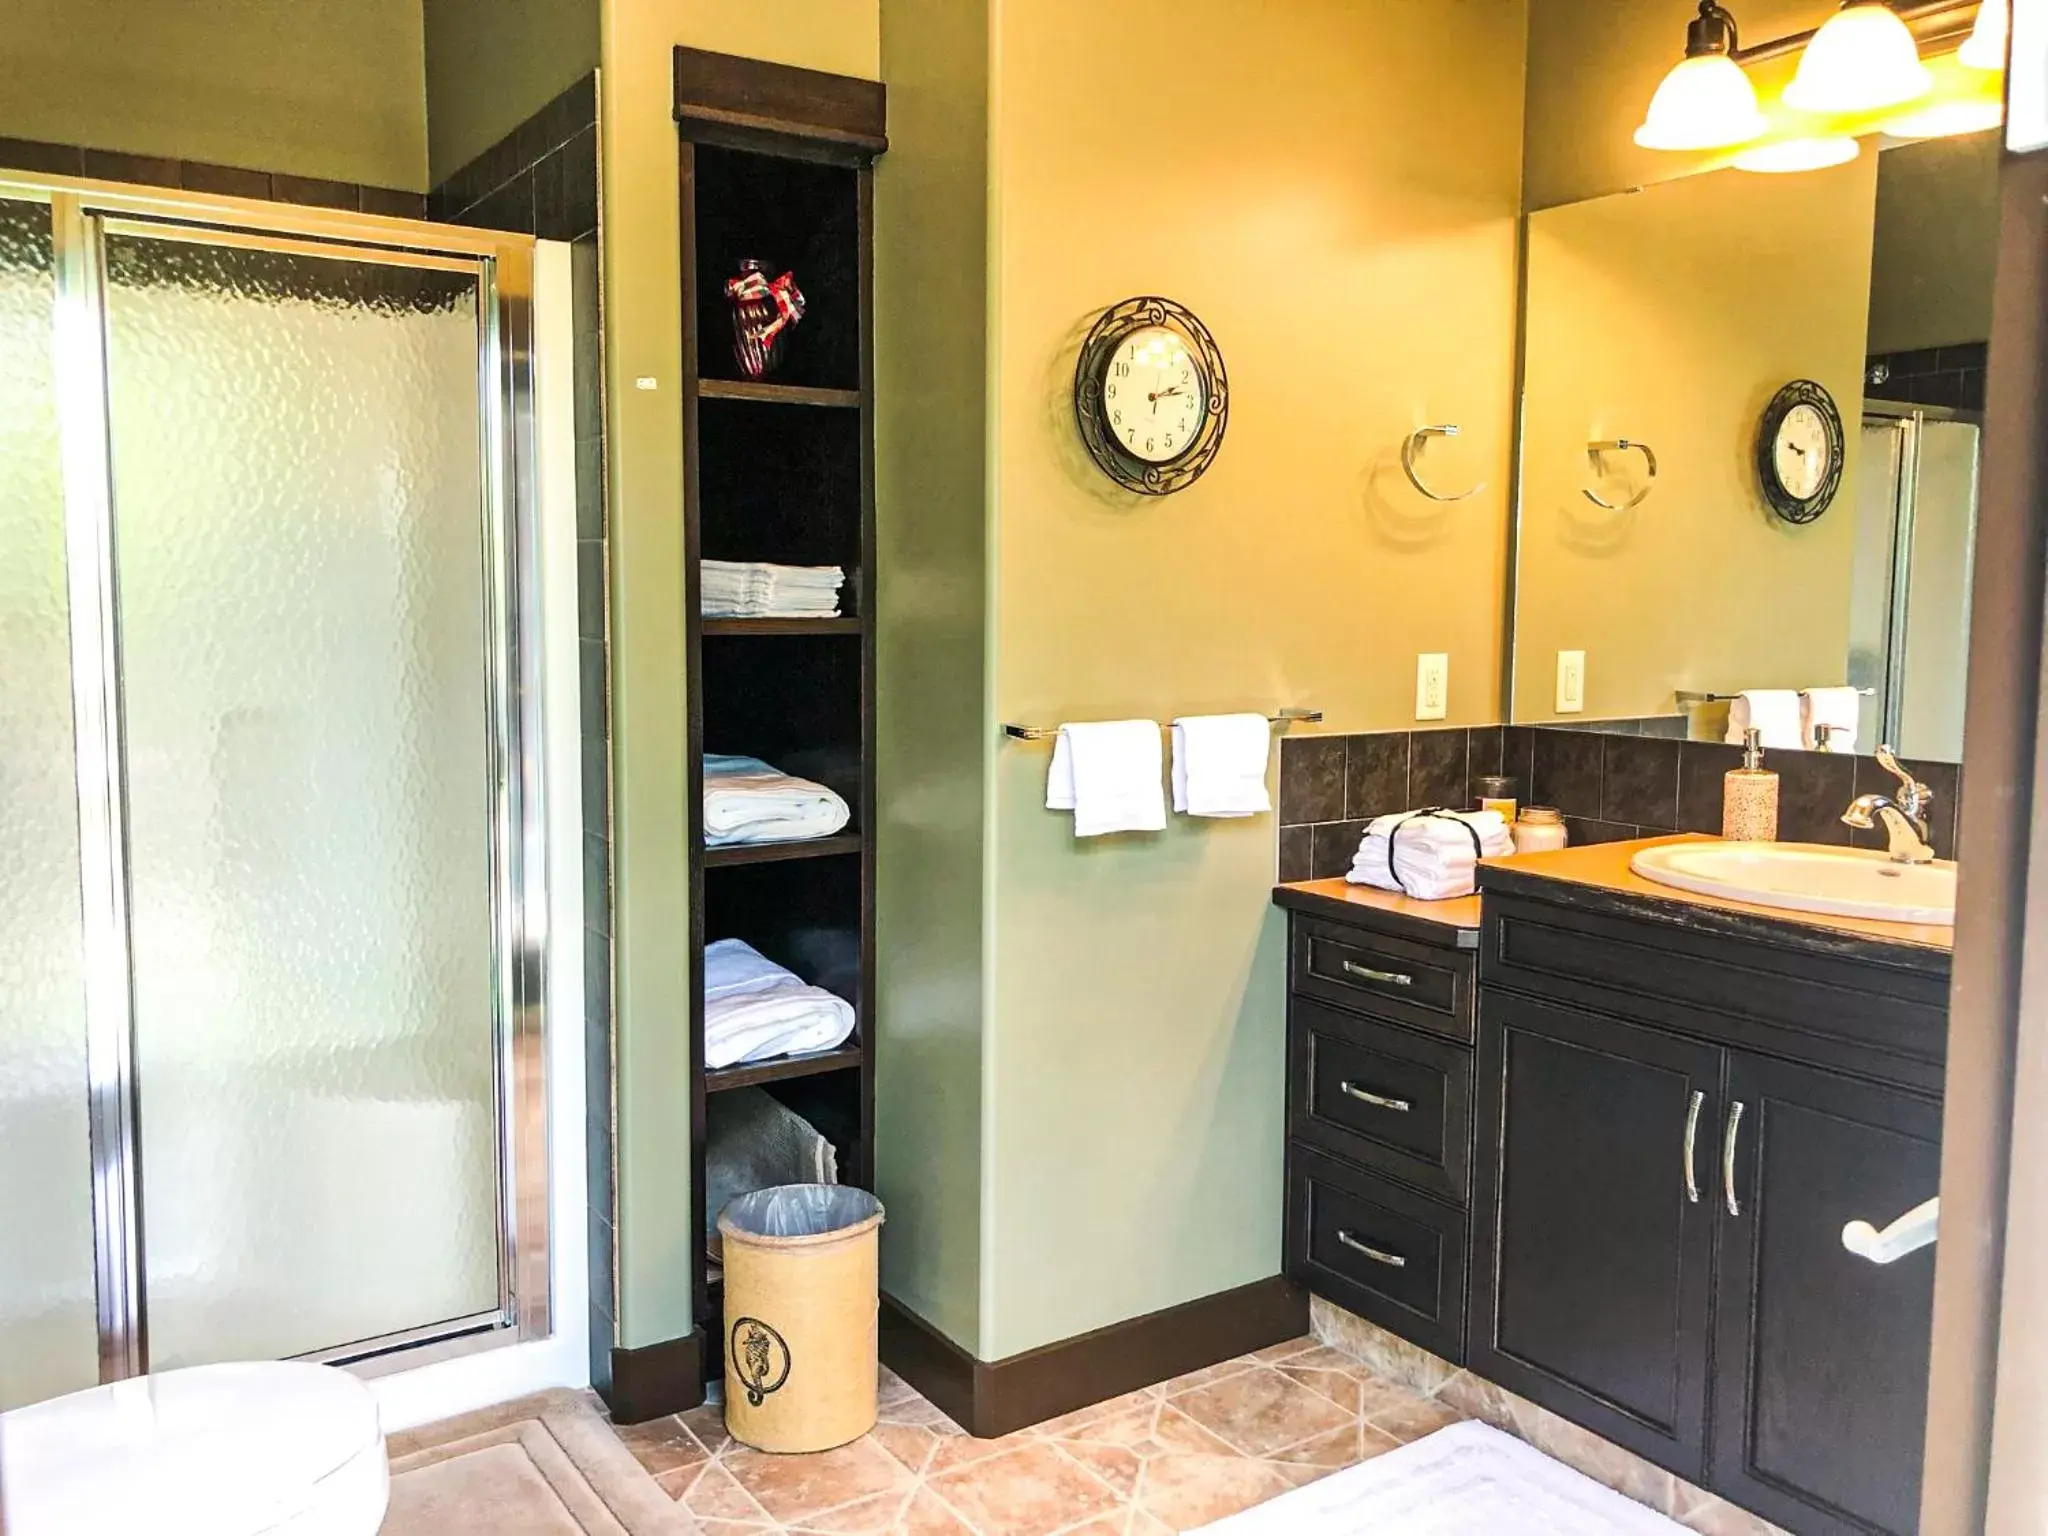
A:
(1383, 1096)
(1430, 988)
(1384, 1252)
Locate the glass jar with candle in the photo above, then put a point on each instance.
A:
(1539, 829)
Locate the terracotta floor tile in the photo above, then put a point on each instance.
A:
(1261, 1410)
(1030, 1490)
(952, 1451)
(661, 1446)
(929, 1516)
(1276, 1352)
(1117, 1465)
(1411, 1421)
(708, 1425)
(1055, 1429)
(1338, 1448)
(735, 1528)
(1206, 1375)
(911, 1444)
(1189, 1491)
(880, 1515)
(713, 1495)
(791, 1488)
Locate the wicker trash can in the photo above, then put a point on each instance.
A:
(800, 1303)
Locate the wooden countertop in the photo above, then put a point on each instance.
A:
(1597, 869)
(1604, 867)
(1455, 921)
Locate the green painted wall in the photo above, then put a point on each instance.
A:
(931, 372)
(328, 88)
(642, 305)
(491, 64)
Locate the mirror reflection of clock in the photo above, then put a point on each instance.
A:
(1152, 395)
(1801, 451)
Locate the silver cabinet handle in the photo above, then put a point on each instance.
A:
(1377, 1255)
(1692, 1136)
(1367, 973)
(1728, 1136)
(1376, 1100)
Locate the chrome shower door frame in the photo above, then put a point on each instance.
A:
(82, 213)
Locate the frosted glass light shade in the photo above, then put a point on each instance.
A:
(1790, 155)
(1706, 102)
(1862, 59)
(1984, 48)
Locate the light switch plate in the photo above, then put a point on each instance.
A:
(1571, 682)
(1432, 685)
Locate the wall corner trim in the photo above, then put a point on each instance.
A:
(657, 1379)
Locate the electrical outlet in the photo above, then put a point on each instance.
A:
(1571, 682)
(1432, 685)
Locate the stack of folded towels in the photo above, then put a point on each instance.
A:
(757, 589)
(754, 1009)
(1429, 854)
(746, 801)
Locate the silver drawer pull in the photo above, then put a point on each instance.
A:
(1367, 973)
(1377, 1255)
(1376, 1100)
(1733, 1130)
(1692, 1136)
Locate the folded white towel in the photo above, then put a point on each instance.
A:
(754, 1009)
(1773, 711)
(746, 801)
(1107, 773)
(1839, 709)
(1219, 765)
(752, 589)
(1429, 855)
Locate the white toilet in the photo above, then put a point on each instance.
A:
(218, 1450)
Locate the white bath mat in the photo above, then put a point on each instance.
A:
(1467, 1480)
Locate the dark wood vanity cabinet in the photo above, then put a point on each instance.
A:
(1670, 1143)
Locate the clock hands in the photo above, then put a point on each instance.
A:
(1158, 395)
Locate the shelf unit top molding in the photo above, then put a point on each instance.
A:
(723, 93)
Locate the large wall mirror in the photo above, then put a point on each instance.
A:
(1667, 320)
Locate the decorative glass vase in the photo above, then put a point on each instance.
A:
(764, 311)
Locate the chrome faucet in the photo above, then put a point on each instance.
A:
(1904, 813)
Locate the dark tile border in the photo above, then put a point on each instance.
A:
(1610, 787)
(39, 158)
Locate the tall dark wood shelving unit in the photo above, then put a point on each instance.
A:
(778, 164)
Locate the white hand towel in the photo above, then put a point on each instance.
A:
(1107, 772)
(1219, 765)
(1840, 709)
(1773, 711)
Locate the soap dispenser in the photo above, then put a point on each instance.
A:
(1749, 795)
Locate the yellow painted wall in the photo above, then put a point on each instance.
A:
(1937, 244)
(327, 88)
(642, 307)
(1672, 316)
(1333, 187)
(1593, 67)
(491, 64)
(931, 376)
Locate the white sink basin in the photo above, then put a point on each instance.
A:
(1805, 877)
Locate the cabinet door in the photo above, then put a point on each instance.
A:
(1820, 1375)
(1591, 1288)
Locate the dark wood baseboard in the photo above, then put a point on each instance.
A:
(992, 1398)
(657, 1379)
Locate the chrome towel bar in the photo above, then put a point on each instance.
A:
(1282, 718)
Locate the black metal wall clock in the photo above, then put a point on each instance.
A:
(1799, 450)
(1150, 396)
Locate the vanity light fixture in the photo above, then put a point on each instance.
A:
(1791, 155)
(1864, 58)
(1984, 48)
(1945, 119)
(1706, 101)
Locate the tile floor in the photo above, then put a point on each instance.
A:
(1167, 1459)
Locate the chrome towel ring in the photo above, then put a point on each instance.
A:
(1619, 445)
(1411, 453)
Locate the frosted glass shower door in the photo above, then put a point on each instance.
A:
(302, 556)
(48, 1323)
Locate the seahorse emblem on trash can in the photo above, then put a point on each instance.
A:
(761, 1358)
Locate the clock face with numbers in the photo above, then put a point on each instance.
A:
(1799, 451)
(1150, 396)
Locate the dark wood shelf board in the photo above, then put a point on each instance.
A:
(783, 1068)
(780, 853)
(777, 394)
(843, 625)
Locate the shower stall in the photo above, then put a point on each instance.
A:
(272, 878)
